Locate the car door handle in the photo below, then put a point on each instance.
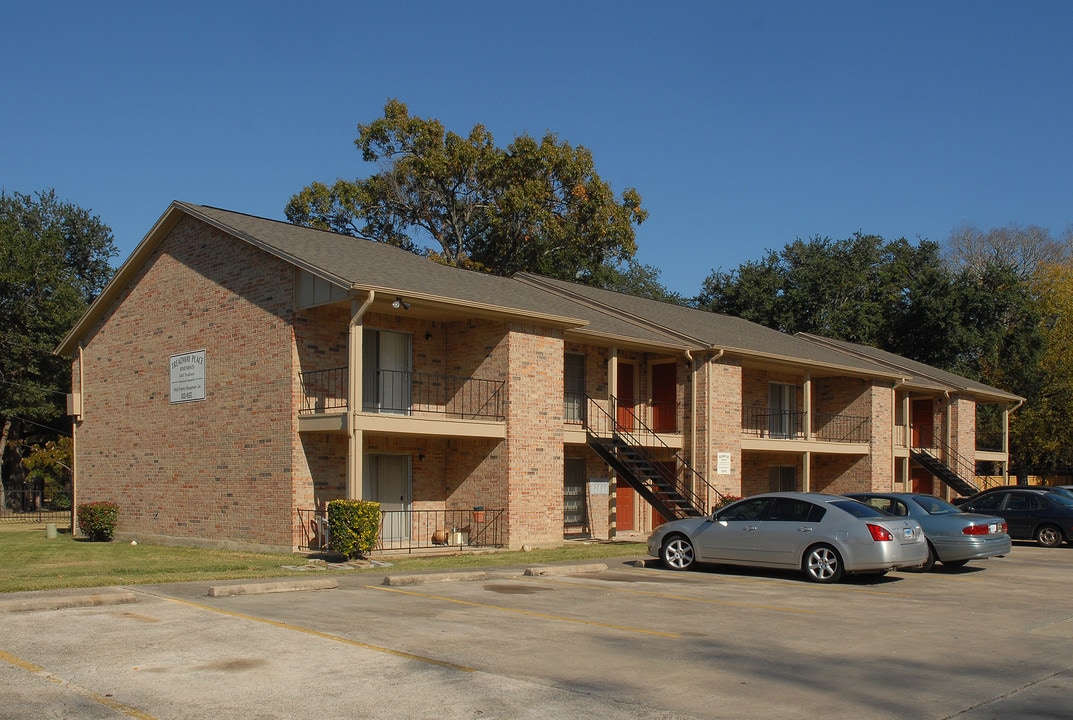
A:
(749, 528)
(804, 529)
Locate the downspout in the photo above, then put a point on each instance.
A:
(692, 408)
(355, 438)
(708, 416)
(905, 434)
(74, 440)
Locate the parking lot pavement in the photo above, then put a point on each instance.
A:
(991, 640)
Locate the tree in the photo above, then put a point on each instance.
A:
(1023, 248)
(537, 205)
(1042, 430)
(54, 260)
(854, 289)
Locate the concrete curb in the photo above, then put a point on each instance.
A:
(61, 602)
(262, 588)
(421, 579)
(564, 569)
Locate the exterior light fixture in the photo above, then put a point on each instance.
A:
(400, 304)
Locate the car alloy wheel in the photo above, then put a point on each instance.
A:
(677, 553)
(823, 564)
(1049, 536)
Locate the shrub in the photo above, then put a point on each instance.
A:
(97, 520)
(353, 526)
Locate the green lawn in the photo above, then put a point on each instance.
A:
(31, 561)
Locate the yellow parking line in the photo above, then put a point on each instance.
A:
(530, 613)
(324, 635)
(89, 694)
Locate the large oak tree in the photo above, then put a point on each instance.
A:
(536, 205)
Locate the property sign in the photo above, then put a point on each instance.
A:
(722, 463)
(188, 377)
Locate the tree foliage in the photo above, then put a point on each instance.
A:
(537, 205)
(1000, 314)
(54, 260)
(1021, 248)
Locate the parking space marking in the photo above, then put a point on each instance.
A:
(318, 633)
(530, 613)
(683, 598)
(77, 689)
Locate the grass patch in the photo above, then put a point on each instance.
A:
(30, 561)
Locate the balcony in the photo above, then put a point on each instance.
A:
(402, 402)
(837, 428)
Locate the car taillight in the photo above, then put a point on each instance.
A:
(984, 529)
(879, 533)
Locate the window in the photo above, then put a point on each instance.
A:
(782, 409)
(575, 512)
(792, 510)
(988, 502)
(386, 377)
(574, 387)
(783, 479)
(750, 509)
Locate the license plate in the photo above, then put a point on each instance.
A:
(908, 533)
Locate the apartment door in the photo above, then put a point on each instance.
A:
(626, 394)
(922, 423)
(625, 501)
(575, 509)
(664, 397)
(922, 481)
(387, 378)
(574, 389)
(387, 479)
(782, 409)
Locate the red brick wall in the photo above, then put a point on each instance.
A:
(219, 468)
(535, 435)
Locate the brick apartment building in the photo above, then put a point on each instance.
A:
(238, 373)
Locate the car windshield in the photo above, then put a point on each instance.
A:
(859, 509)
(935, 506)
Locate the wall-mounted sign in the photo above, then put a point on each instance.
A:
(722, 463)
(188, 377)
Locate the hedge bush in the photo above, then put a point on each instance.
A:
(353, 526)
(97, 520)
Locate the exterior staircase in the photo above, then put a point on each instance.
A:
(669, 485)
(957, 479)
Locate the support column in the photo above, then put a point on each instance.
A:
(355, 437)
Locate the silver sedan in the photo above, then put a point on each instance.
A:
(824, 536)
(954, 536)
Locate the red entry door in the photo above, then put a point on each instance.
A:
(664, 405)
(626, 396)
(922, 424)
(625, 498)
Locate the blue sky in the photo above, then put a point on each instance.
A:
(744, 125)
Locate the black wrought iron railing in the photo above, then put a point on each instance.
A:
(826, 427)
(405, 393)
(660, 416)
(608, 420)
(409, 530)
(34, 506)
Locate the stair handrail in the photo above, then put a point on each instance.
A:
(961, 465)
(615, 428)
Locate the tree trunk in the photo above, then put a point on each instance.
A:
(3, 446)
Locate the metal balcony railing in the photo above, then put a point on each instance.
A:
(409, 530)
(826, 427)
(405, 393)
